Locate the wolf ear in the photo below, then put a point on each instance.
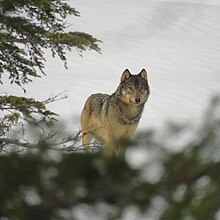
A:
(143, 74)
(125, 75)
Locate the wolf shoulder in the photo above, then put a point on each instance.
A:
(95, 102)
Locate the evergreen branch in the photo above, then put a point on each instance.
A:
(31, 27)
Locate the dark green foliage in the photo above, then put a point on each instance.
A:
(80, 40)
(16, 108)
(51, 184)
(36, 188)
(29, 27)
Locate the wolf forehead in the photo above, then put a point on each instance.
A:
(141, 77)
(136, 81)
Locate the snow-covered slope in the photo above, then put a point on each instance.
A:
(178, 42)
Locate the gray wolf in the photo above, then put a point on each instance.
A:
(113, 119)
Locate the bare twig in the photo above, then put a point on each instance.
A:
(53, 98)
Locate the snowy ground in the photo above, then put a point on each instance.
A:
(178, 42)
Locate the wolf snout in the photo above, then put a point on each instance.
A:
(137, 100)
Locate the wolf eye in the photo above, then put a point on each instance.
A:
(130, 88)
(141, 88)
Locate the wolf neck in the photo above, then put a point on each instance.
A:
(128, 114)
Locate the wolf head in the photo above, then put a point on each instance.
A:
(134, 89)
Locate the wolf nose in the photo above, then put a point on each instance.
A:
(137, 100)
